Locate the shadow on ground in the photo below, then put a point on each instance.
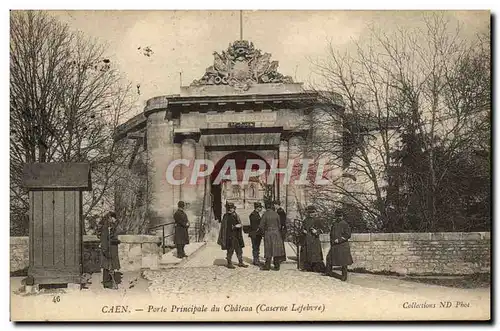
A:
(220, 262)
(466, 281)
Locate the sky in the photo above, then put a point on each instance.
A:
(184, 41)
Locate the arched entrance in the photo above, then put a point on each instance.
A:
(242, 194)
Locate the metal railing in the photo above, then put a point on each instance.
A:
(199, 227)
(163, 237)
(197, 233)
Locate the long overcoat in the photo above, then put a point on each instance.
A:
(254, 224)
(282, 214)
(310, 251)
(109, 246)
(273, 242)
(340, 253)
(181, 236)
(228, 232)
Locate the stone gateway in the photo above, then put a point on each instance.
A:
(242, 108)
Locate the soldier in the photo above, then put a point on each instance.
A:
(231, 236)
(274, 247)
(340, 252)
(181, 236)
(282, 214)
(110, 262)
(254, 233)
(311, 254)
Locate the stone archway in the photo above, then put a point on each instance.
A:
(243, 195)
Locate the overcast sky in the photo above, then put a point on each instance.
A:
(185, 40)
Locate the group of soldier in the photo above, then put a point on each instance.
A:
(270, 226)
(311, 254)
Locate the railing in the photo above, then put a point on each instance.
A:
(197, 233)
(162, 226)
(199, 227)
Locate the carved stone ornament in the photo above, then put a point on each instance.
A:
(241, 66)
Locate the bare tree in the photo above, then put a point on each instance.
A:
(65, 104)
(431, 84)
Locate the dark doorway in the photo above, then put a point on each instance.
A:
(242, 195)
(216, 194)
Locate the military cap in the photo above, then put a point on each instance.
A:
(257, 205)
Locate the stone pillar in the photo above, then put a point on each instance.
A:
(296, 194)
(176, 189)
(161, 151)
(189, 191)
(283, 162)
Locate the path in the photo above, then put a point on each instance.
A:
(212, 254)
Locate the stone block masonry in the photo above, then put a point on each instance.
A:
(445, 253)
(135, 252)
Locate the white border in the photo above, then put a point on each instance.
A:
(186, 4)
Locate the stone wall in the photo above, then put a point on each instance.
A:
(420, 253)
(135, 252)
(19, 253)
(402, 253)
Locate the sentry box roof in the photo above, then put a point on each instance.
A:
(68, 176)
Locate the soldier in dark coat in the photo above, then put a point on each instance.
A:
(274, 247)
(181, 236)
(311, 254)
(110, 262)
(231, 236)
(254, 233)
(340, 252)
(282, 214)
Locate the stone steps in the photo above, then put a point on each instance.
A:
(170, 259)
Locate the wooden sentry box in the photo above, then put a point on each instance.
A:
(55, 231)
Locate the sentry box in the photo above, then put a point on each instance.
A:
(56, 224)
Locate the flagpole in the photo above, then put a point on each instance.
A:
(241, 24)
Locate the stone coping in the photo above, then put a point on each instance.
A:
(427, 236)
(223, 90)
(126, 239)
(437, 236)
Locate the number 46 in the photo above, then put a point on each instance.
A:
(56, 299)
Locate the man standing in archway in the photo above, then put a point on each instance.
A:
(231, 236)
(282, 214)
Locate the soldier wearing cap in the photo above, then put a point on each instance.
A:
(181, 236)
(231, 236)
(340, 252)
(311, 254)
(254, 233)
